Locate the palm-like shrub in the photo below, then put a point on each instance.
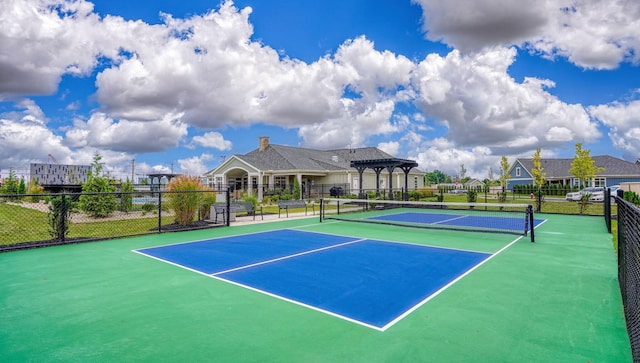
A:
(184, 199)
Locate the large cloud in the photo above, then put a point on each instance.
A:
(590, 33)
(104, 132)
(481, 105)
(623, 120)
(42, 40)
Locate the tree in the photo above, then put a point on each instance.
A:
(490, 175)
(126, 198)
(539, 178)
(11, 185)
(463, 172)
(22, 187)
(98, 202)
(34, 189)
(296, 189)
(435, 177)
(504, 179)
(583, 166)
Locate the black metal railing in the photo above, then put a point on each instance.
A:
(629, 269)
(35, 220)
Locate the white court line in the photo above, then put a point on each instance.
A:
(415, 307)
(298, 303)
(288, 257)
(448, 220)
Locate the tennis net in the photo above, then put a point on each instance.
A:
(478, 217)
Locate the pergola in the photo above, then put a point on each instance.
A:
(378, 165)
(153, 176)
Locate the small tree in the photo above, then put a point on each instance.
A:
(183, 199)
(99, 202)
(34, 189)
(296, 189)
(22, 187)
(126, 198)
(583, 166)
(435, 177)
(11, 185)
(539, 178)
(504, 179)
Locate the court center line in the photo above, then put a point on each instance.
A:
(449, 220)
(287, 257)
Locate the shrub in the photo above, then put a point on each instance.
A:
(35, 189)
(126, 198)
(98, 202)
(148, 207)
(296, 189)
(183, 198)
(632, 197)
(247, 198)
(502, 197)
(472, 196)
(59, 213)
(285, 197)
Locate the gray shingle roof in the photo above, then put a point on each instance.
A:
(559, 168)
(280, 157)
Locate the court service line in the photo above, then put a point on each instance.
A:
(287, 257)
(415, 307)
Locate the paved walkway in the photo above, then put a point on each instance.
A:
(244, 220)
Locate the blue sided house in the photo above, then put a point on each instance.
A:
(616, 171)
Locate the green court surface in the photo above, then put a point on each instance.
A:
(556, 300)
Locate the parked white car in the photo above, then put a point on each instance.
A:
(614, 190)
(596, 194)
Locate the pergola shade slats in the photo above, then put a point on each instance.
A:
(380, 164)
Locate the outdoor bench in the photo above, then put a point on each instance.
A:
(292, 204)
(236, 207)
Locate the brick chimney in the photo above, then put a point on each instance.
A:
(264, 142)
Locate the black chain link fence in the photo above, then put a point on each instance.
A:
(629, 269)
(36, 220)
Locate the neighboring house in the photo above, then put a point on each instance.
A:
(473, 184)
(616, 171)
(271, 167)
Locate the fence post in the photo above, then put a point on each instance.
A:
(607, 208)
(64, 216)
(531, 221)
(228, 208)
(159, 211)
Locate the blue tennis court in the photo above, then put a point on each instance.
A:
(371, 282)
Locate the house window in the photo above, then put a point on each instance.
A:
(599, 182)
(280, 182)
(415, 182)
(518, 171)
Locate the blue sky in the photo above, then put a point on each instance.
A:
(179, 85)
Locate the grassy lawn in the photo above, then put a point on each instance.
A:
(20, 224)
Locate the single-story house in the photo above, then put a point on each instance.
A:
(271, 167)
(616, 171)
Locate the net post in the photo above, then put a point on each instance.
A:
(530, 217)
(321, 208)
